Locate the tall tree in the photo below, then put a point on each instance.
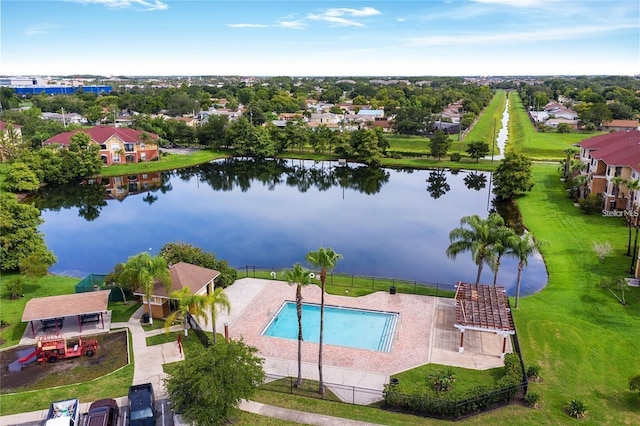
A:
(478, 236)
(505, 238)
(299, 277)
(217, 299)
(478, 150)
(208, 385)
(439, 144)
(142, 271)
(325, 259)
(632, 187)
(512, 177)
(188, 303)
(19, 235)
(522, 249)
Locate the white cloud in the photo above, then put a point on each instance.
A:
(247, 25)
(518, 3)
(38, 29)
(519, 37)
(335, 16)
(145, 5)
(296, 25)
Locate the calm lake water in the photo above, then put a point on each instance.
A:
(387, 223)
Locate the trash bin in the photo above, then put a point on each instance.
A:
(392, 290)
(145, 318)
(394, 381)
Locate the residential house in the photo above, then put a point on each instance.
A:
(553, 123)
(66, 118)
(557, 110)
(325, 118)
(607, 156)
(371, 114)
(453, 112)
(117, 144)
(618, 125)
(199, 280)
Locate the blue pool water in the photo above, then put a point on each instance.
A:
(354, 328)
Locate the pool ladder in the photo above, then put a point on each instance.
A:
(387, 333)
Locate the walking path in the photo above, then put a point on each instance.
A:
(148, 361)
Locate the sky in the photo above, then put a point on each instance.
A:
(320, 38)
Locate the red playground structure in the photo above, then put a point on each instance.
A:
(54, 347)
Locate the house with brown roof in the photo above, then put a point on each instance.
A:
(608, 156)
(118, 145)
(199, 280)
(617, 125)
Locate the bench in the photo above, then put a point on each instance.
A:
(89, 318)
(52, 323)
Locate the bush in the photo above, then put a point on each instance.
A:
(532, 399)
(442, 380)
(634, 383)
(456, 157)
(16, 286)
(592, 203)
(577, 408)
(533, 372)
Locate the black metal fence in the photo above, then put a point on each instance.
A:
(350, 281)
(336, 392)
(193, 324)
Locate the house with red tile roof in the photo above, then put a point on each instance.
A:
(118, 145)
(608, 156)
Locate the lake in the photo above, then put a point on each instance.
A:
(385, 222)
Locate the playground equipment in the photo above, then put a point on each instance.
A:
(54, 347)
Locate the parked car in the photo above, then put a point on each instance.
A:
(103, 412)
(63, 413)
(142, 405)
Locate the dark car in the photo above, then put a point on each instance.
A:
(142, 405)
(103, 412)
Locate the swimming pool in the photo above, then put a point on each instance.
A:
(354, 328)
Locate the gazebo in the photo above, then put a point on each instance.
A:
(52, 310)
(482, 307)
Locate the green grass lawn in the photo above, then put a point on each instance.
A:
(524, 139)
(489, 123)
(168, 162)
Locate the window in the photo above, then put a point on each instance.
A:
(116, 158)
(115, 146)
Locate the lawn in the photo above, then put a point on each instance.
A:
(489, 123)
(524, 139)
(167, 162)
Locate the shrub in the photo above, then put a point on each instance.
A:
(532, 399)
(16, 286)
(442, 380)
(577, 408)
(592, 203)
(634, 383)
(456, 157)
(602, 249)
(533, 372)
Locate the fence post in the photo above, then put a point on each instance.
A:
(246, 270)
(254, 271)
(373, 283)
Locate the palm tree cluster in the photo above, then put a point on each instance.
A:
(489, 240)
(325, 259)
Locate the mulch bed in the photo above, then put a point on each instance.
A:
(111, 355)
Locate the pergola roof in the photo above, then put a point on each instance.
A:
(484, 308)
(66, 305)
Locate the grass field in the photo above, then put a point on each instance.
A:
(489, 123)
(169, 162)
(524, 139)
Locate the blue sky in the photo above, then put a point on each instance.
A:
(316, 38)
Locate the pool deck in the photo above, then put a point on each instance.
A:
(424, 334)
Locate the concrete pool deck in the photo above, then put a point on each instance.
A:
(424, 334)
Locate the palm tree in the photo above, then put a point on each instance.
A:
(570, 152)
(143, 271)
(632, 187)
(217, 298)
(581, 181)
(478, 236)
(325, 259)
(299, 277)
(522, 248)
(188, 303)
(502, 245)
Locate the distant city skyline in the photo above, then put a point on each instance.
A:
(320, 38)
